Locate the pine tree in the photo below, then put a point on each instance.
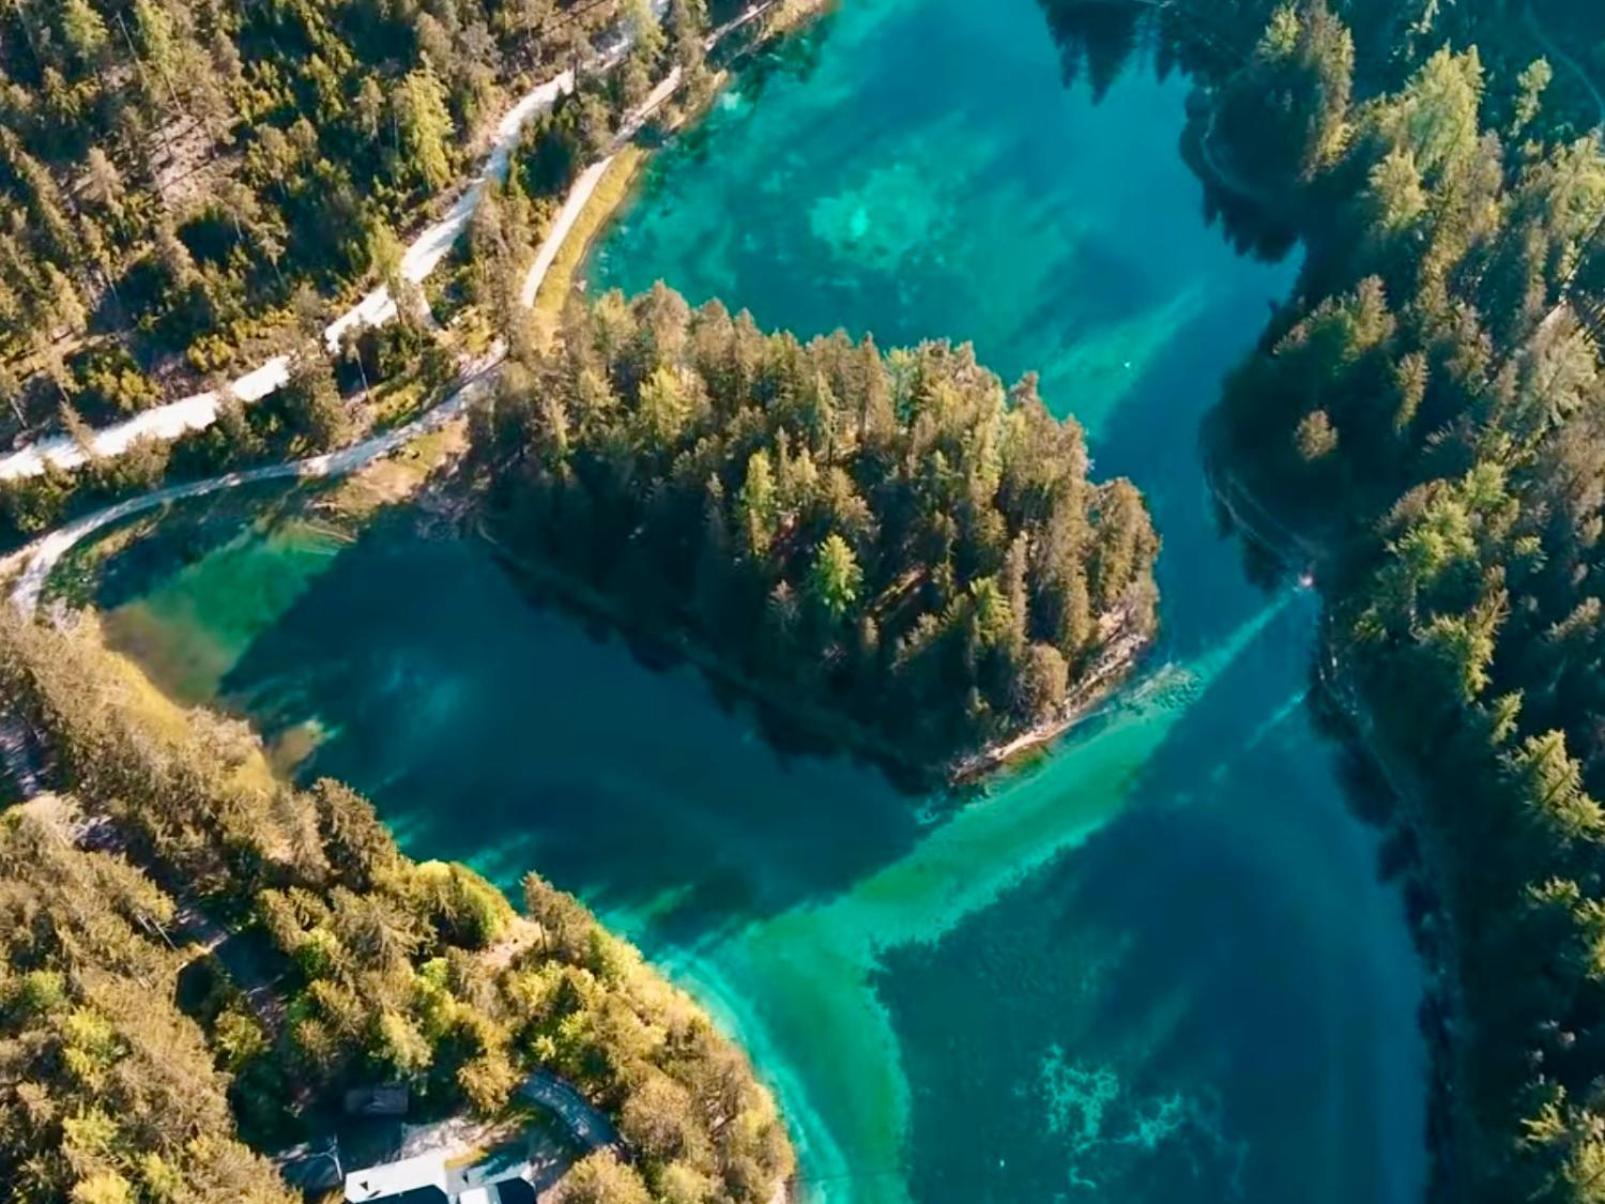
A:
(424, 127)
(835, 580)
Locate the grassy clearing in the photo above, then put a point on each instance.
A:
(395, 402)
(397, 477)
(611, 192)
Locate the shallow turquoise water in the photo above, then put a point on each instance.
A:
(1158, 967)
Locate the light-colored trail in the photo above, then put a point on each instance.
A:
(426, 253)
(422, 258)
(580, 195)
(37, 560)
(420, 261)
(33, 563)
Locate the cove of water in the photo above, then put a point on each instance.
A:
(1158, 967)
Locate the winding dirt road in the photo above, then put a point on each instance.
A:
(420, 260)
(33, 563)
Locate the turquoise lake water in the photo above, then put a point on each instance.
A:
(1159, 967)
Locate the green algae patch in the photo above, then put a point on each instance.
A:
(192, 630)
(884, 222)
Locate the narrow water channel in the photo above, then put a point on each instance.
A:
(1161, 966)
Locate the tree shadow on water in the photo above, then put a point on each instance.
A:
(1099, 41)
(494, 732)
(1152, 437)
(186, 534)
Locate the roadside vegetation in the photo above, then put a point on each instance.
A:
(610, 193)
(178, 178)
(53, 371)
(896, 540)
(1425, 413)
(383, 970)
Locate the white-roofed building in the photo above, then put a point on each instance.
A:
(420, 1180)
(427, 1179)
(515, 1190)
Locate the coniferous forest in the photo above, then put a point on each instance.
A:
(187, 190)
(1423, 423)
(895, 538)
(183, 185)
(896, 546)
(352, 964)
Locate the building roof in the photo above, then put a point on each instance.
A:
(414, 1180)
(387, 1099)
(503, 1191)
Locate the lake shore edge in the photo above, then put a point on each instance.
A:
(624, 172)
(1452, 1131)
(831, 728)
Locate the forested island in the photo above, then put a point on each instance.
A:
(895, 538)
(169, 827)
(1422, 421)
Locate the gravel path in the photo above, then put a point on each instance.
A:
(418, 263)
(34, 562)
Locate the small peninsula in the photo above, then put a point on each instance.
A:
(897, 549)
(314, 960)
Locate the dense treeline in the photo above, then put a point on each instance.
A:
(312, 413)
(1384, 41)
(388, 969)
(897, 538)
(108, 1093)
(114, 358)
(1428, 411)
(176, 177)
